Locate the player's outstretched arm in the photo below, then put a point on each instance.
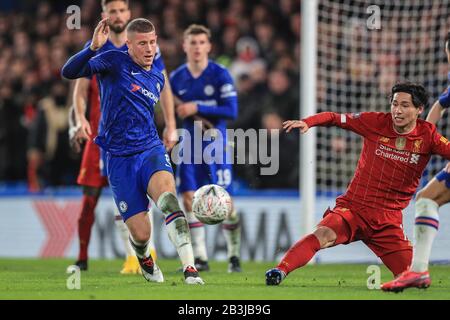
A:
(293, 124)
(78, 65)
(80, 96)
(170, 136)
(73, 131)
(358, 122)
(436, 113)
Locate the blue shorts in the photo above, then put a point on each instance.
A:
(443, 175)
(129, 177)
(190, 177)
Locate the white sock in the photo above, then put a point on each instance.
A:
(177, 227)
(232, 232)
(141, 249)
(124, 233)
(151, 244)
(425, 230)
(197, 236)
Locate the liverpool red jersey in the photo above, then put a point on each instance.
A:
(391, 164)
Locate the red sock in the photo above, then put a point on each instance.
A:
(85, 223)
(398, 261)
(299, 254)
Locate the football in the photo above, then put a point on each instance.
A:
(211, 204)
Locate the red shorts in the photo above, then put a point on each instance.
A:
(90, 173)
(380, 230)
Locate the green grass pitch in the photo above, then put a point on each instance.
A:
(46, 279)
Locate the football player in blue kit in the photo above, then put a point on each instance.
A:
(136, 161)
(86, 113)
(205, 90)
(428, 200)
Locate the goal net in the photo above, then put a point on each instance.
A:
(363, 49)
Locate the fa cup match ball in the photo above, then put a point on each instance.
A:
(211, 204)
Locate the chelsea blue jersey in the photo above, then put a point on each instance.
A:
(215, 95)
(213, 91)
(128, 95)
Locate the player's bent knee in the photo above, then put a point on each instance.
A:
(168, 203)
(326, 236)
(160, 182)
(427, 208)
(140, 236)
(424, 193)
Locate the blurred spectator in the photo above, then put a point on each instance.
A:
(35, 43)
(247, 56)
(281, 96)
(50, 160)
(12, 135)
(249, 110)
(288, 156)
(265, 34)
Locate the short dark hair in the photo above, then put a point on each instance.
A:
(105, 2)
(140, 25)
(195, 29)
(418, 93)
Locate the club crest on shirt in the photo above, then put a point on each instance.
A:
(208, 90)
(417, 145)
(400, 143)
(123, 206)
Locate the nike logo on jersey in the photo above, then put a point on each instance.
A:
(134, 73)
(181, 92)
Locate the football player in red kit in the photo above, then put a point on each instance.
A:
(397, 147)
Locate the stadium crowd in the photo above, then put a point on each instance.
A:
(257, 41)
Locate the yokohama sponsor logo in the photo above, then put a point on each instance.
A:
(60, 223)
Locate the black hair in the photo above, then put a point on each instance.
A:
(418, 93)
